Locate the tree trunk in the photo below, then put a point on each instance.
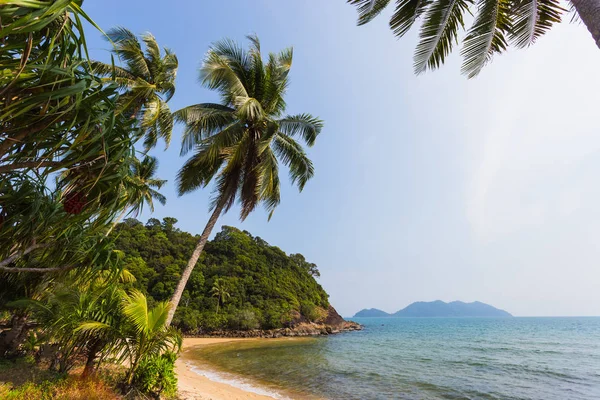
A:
(119, 218)
(589, 12)
(194, 259)
(91, 359)
(15, 336)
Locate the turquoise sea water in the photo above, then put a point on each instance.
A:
(428, 358)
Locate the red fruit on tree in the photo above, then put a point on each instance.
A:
(74, 203)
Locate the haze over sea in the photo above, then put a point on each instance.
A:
(428, 358)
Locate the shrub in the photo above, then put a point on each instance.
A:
(67, 389)
(156, 375)
(312, 312)
(243, 320)
(210, 321)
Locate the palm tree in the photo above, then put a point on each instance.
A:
(239, 143)
(497, 22)
(141, 187)
(148, 333)
(220, 292)
(148, 79)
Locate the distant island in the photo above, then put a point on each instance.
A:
(438, 308)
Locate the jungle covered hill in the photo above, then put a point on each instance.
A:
(240, 282)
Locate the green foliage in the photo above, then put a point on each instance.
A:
(253, 284)
(497, 23)
(156, 375)
(68, 162)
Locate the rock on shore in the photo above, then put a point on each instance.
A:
(333, 323)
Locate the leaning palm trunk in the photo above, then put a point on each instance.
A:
(116, 222)
(194, 259)
(589, 12)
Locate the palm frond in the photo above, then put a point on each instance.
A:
(406, 13)
(533, 18)
(487, 35)
(202, 121)
(439, 32)
(305, 125)
(135, 307)
(368, 9)
(293, 156)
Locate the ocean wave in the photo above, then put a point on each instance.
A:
(237, 382)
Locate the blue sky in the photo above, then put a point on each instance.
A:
(428, 187)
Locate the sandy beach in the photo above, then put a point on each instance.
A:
(193, 386)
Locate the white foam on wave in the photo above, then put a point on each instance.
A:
(234, 381)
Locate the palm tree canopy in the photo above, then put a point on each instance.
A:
(142, 185)
(497, 23)
(148, 78)
(240, 142)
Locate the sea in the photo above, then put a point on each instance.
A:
(420, 358)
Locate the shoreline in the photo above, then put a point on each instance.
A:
(200, 383)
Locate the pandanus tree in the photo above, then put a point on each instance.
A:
(67, 136)
(497, 24)
(239, 143)
(148, 79)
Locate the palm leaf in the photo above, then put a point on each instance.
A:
(305, 125)
(439, 32)
(406, 13)
(487, 35)
(533, 18)
(368, 9)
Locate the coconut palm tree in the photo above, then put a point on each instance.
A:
(219, 290)
(148, 79)
(497, 23)
(141, 187)
(239, 143)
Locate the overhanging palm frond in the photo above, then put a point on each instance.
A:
(293, 156)
(305, 125)
(487, 35)
(368, 9)
(270, 191)
(405, 15)
(202, 121)
(533, 18)
(439, 32)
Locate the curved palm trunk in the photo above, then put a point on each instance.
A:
(194, 259)
(589, 12)
(91, 359)
(116, 222)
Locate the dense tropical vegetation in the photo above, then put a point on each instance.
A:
(78, 290)
(69, 168)
(240, 282)
(497, 25)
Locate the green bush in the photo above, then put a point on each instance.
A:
(187, 319)
(210, 321)
(243, 320)
(311, 311)
(156, 375)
